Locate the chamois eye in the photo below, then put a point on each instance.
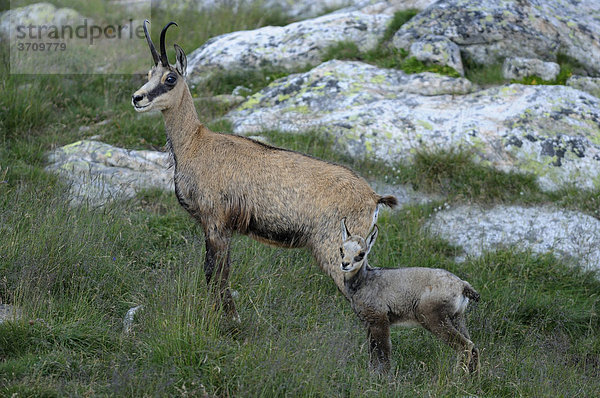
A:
(360, 256)
(341, 252)
(171, 79)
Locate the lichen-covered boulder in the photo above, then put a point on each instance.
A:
(289, 47)
(551, 131)
(489, 30)
(438, 50)
(98, 173)
(519, 68)
(570, 235)
(38, 14)
(585, 83)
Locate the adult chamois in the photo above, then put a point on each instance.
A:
(230, 183)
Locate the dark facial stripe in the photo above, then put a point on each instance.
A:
(158, 90)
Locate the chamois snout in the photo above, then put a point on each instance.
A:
(136, 101)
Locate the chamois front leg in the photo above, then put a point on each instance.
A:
(216, 268)
(380, 345)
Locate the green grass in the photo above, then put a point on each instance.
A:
(483, 75)
(385, 56)
(254, 80)
(400, 18)
(537, 318)
(75, 271)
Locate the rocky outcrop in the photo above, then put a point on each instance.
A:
(519, 68)
(290, 47)
(551, 131)
(488, 30)
(570, 235)
(97, 173)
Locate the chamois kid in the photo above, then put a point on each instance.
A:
(432, 298)
(230, 183)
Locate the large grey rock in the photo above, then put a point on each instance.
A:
(98, 173)
(584, 83)
(38, 14)
(438, 50)
(567, 234)
(551, 131)
(289, 47)
(519, 68)
(488, 30)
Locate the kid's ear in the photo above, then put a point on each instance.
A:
(371, 238)
(181, 64)
(345, 232)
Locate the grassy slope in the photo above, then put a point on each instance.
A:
(76, 271)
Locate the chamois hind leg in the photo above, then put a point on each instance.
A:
(460, 323)
(217, 265)
(380, 345)
(442, 326)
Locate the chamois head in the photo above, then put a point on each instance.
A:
(166, 83)
(354, 249)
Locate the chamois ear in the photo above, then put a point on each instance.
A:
(345, 232)
(371, 238)
(181, 64)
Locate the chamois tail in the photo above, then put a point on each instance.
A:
(469, 292)
(388, 200)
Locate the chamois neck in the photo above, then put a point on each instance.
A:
(353, 282)
(181, 121)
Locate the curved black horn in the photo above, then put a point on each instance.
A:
(163, 53)
(155, 56)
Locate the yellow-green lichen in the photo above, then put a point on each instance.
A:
(71, 147)
(425, 124)
(251, 102)
(283, 97)
(304, 109)
(378, 79)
